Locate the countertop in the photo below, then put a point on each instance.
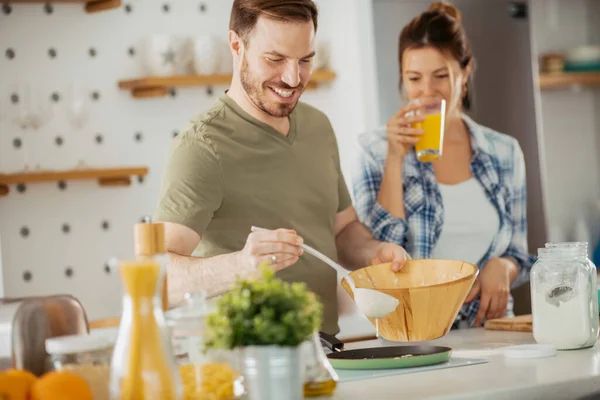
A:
(568, 375)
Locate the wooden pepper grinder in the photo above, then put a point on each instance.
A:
(149, 242)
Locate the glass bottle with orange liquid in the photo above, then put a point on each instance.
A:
(143, 366)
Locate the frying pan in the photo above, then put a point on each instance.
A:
(383, 357)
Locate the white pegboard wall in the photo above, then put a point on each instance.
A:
(58, 240)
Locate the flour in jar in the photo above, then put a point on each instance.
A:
(563, 319)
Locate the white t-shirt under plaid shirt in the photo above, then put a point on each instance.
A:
(497, 164)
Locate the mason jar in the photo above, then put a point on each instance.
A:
(205, 374)
(88, 356)
(563, 296)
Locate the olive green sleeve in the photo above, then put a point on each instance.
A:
(191, 188)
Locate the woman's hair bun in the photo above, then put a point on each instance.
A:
(445, 8)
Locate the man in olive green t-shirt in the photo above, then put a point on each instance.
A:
(261, 158)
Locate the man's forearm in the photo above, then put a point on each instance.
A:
(215, 275)
(356, 246)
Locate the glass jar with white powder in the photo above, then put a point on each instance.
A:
(563, 297)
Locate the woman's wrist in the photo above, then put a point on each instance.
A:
(394, 159)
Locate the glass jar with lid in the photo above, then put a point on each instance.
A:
(204, 374)
(563, 296)
(88, 356)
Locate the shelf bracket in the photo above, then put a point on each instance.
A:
(101, 5)
(149, 92)
(115, 181)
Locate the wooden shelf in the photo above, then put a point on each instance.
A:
(91, 6)
(562, 80)
(160, 86)
(104, 176)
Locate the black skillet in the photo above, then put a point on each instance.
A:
(383, 357)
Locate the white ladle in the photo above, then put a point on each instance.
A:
(372, 303)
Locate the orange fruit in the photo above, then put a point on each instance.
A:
(28, 376)
(14, 387)
(61, 385)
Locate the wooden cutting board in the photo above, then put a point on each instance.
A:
(521, 323)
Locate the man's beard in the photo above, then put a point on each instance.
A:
(256, 93)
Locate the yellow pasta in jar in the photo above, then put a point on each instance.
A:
(211, 381)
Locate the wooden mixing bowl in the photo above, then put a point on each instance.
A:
(431, 292)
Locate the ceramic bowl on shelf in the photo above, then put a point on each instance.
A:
(208, 52)
(584, 54)
(582, 67)
(583, 58)
(430, 292)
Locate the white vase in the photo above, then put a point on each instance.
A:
(166, 55)
(207, 55)
(273, 373)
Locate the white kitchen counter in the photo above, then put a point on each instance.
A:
(569, 375)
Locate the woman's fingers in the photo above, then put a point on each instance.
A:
(401, 130)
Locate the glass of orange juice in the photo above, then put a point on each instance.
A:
(430, 145)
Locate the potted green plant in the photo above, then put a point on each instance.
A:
(267, 320)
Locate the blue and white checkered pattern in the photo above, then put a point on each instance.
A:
(497, 164)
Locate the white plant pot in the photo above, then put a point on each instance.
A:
(207, 55)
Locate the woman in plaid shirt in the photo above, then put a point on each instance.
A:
(470, 204)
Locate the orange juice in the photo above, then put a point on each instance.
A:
(429, 146)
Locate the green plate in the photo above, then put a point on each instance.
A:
(390, 357)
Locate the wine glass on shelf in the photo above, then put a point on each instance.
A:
(78, 113)
(34, 110)
(20, 100)
(14, 115)
(40, 107)
(77, 105)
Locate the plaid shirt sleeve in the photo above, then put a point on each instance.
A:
(518, 249)
(383, 226)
